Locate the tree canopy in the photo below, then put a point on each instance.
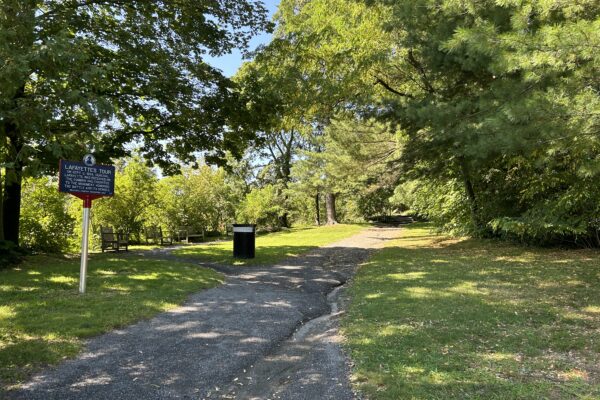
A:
(93, 75)
(481, 116)
(497, 101)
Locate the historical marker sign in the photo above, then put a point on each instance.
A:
(87, 181)
(79, 178)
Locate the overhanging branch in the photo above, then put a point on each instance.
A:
(383, 83)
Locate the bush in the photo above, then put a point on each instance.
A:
(200, 199)
(46, 224)
(262, 207)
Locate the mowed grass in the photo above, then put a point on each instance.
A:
(435, 318)
(43, 319)
(274, 247)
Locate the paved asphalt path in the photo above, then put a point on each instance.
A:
(269, 332)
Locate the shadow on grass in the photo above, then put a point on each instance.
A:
(265, 255)
(42, 316)
(208, 341)
(476, 319)
(273, 247)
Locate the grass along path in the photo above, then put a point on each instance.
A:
(274, 247)
(43, 319)
(435, 318)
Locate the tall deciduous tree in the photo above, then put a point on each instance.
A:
(94, 75)
(291, 81)
(272, 86)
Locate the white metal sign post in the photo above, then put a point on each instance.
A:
(84, 248)
(87, 181)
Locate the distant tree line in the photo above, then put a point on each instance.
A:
(199, 199)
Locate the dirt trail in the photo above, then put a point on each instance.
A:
(267, 333)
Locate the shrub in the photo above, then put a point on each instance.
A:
(46, 224)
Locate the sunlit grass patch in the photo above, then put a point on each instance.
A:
(273, 247)
(433, 318)
(43, 319)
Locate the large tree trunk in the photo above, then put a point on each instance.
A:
(13, 178)
(318, 209)
(11, 204)
(330, 206)
(1, 203)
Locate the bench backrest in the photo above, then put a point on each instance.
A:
(107, 234)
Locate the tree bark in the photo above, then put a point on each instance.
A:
(11, 204)
(330, 206)
(473, 204)
(1, 207)
(284, 220)
(13, 178)
(318, 209)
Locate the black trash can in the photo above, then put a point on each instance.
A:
(243, 240)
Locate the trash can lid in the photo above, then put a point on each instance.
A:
(244, 228)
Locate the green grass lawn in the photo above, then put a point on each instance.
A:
(274, 247)
(436, 318)
(43, 318)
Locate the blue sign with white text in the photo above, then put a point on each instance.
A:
(77, 177)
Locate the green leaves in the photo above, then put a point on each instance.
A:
(497, 102)
(95, 68)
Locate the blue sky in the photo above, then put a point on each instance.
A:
(230, 63)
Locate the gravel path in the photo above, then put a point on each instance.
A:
(267, 333)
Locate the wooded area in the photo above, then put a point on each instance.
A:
(481, 116)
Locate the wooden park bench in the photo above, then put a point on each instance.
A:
(113, 241)
(184, 234)
(155, 234)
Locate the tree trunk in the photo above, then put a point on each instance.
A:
(1, 206)
(470, 191)
(318, 209)
(284, 221)
(13, 178)
(330, 206)
(11, 204)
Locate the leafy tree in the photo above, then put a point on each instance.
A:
(500, 98)
(261, 207)
(135, 192)
(272, 86)
(94, 75)
(287, 82)
(351, 163)
(46, 224)
(200, 199)
(308, 183)
(484, 89)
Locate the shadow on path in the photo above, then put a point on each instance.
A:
(234, 341)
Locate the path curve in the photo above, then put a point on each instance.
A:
(267, 333)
